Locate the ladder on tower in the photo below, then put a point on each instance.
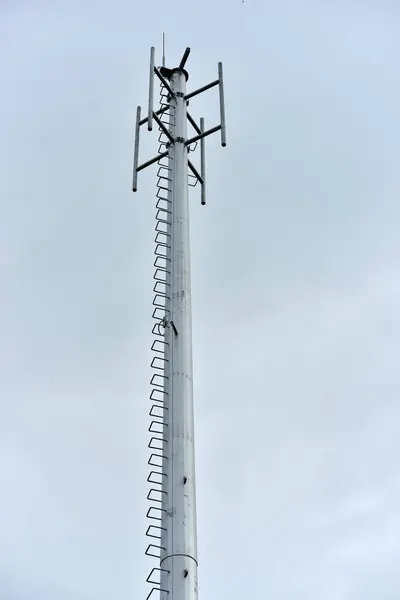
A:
(162, 263)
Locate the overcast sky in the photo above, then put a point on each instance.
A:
(296, 295)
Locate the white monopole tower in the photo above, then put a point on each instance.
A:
(172, 493)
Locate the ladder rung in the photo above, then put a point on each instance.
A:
(153, 464)
(158, 527)
(153, 429)
(156, 482)
(161, 378)
(155, 491)
(148, 552)
(151, 446)
(158, 395)
(157, 331)
(157, 407)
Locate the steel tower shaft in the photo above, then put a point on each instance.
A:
(179, 537)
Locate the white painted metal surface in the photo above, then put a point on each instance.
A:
(179, 535)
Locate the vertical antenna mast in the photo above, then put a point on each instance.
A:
(172, 494)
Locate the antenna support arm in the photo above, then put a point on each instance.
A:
(203, 135)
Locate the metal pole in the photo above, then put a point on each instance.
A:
(202, 89)
(151, 88)
(184, 58)
(179, 536)
(202, 163)
(202, 135)
(222, 104)
(163, 49)
(136, 150)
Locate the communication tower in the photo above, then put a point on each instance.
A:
(172, 490)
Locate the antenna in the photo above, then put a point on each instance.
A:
(172, 493)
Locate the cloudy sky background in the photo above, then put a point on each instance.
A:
(296, 265)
